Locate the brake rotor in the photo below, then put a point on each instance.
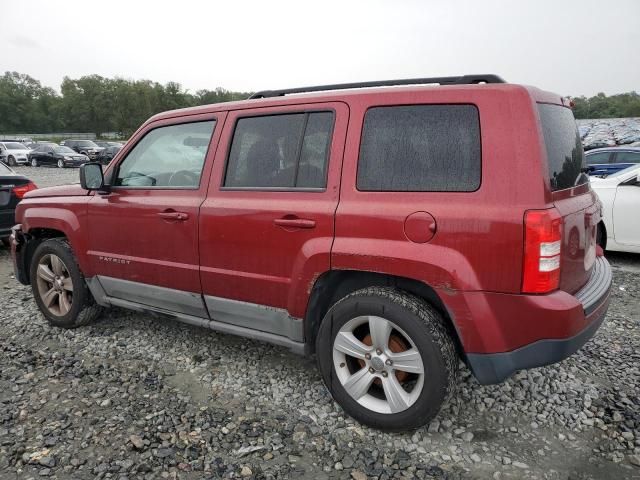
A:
(397, 344)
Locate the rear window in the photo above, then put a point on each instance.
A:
(420, 148)
(565, 156)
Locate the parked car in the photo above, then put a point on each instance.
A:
(391, 232)
(620, 197)
(604, 161)
(13, 153)
(56, 155)
(85, 147)
(105, 144)
(106, 155)
(12, 188)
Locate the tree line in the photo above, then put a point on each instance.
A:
(602, 106)
(93, 103)
(97, 104)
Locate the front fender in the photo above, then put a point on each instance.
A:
(64, 215)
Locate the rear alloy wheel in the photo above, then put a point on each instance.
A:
(60, 163)
(12, 161)
(387, 357)
(59, 287)
(34, 162)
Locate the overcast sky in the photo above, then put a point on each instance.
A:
(577, 47)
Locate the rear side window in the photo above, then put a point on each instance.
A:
(420, 148)
(627, 157)
(597, 158)
(564, 150)
(280, 151)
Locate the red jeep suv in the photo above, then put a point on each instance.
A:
(390, 228)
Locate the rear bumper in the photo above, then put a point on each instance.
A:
(491, 368)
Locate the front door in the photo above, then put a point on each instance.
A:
(266, 227)
(143, 241)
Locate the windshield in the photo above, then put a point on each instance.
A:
(15, 146)
(63, 150)
(86, 143)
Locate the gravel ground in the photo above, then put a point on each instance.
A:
(136, 396)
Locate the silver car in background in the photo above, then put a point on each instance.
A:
(13, 153)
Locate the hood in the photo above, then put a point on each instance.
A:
(61, 191)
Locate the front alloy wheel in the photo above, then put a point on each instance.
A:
(54, 285)
(378, 364)
(59, 288)
(34, 162)
(12, 161)
(60, 163)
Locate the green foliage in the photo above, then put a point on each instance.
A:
(600, 106)
(93, 103)
(96, 104)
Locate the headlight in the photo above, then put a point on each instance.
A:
(67, 158)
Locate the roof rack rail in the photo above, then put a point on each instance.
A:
(462, 80)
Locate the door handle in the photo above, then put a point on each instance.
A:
(295, 222)
(180, 216)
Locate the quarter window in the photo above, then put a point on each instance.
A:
(171, 156)
(420, 148)
(280, 151)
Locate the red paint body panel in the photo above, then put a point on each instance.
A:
(244, 255)
(230, 246)
(125, 225)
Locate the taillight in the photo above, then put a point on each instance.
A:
(542, 245)
(20, 190)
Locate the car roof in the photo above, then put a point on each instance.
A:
(344, 94)
(612, 149)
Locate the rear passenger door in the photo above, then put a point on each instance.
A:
(267, 225)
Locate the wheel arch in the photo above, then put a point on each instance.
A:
(333, 285)
(602, 230)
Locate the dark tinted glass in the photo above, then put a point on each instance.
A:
(281, 151)
(420, 148)
(565, 156)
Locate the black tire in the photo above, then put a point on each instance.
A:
(83, 309)
(426, 328)
(5, 242)
(12, 161)
(601, 236)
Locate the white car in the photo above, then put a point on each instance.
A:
(620, 197)
(13, 153)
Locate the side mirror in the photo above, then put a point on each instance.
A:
(91, 177)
